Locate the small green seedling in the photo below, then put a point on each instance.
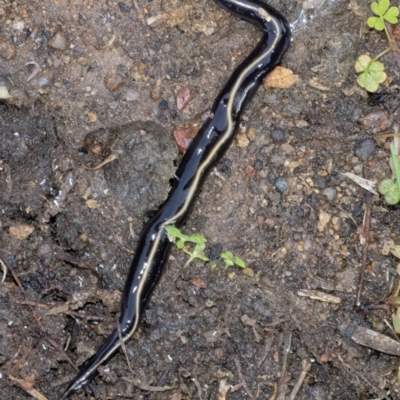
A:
(372, 73)
(390, 188)
(176, 236)
(384, 13)
(230, 259)
(370, 69)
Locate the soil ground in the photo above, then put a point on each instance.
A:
(89, 79)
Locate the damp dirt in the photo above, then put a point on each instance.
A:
(87, 154)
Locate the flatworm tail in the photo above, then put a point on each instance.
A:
(206, 150)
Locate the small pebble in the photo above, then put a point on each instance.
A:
(358, 169)
(287, 148)
(124, 7)
(58, 41)
(281, 185)
(155, 94)
(302, 123)
(132, 95)
(163, 105)
(319, 182)
(18, 25)
(330, 193)
(7, 50)
(364, 148)
(278, 136)
(376, 120)
(114, 82)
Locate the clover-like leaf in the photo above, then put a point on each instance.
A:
(391, 191)
(384, 13)
(362, 63)
(376, 23)
(380, 8)
(386, 186)
(371, 73)
(391, 15)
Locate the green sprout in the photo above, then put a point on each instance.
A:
(371, 70)
(199, 241)
(384, 13)
(176, 236)
(371, 73)
(390, 188)
(230, 259)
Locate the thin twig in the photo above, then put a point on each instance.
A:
(305, 369)
(59, 348)
(275, 386)
(366, 229)
(360, 376)
(35, 71)
(284, 378)
(198, 386)
(16, 279)
(267, 348)
(4, 267)
(148, 388)
(242, 380)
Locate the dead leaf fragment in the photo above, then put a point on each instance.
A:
(223, 389)
(27, 385)
(21, 232)
(242, 140)
(324, 218)
(318, 295)
(248, 272)
(183, 98)
(199, 283)
(92, 116)
(91, 203)
(377, 341)
(182, 138)
(281, 78)
(318, 85)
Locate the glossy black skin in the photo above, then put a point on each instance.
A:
(206, 140)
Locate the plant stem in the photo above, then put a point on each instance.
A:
(396, 163)
(381, 54)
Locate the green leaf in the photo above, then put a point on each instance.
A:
(386, 186)
(371, 21)
(362, 63)
(239, 262)
(228, 263)
(227, 255)
(180, 243)
(213, 266)
(367, 82)
(372, 73)
(384, 13)
(380, 8)
(391, 15)
(393, 197)
(196, 238)
(396, 321)
(173, 231)
(379, 24)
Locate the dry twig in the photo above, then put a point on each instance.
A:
(366, 228)
(242, 380)
(305, 369)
